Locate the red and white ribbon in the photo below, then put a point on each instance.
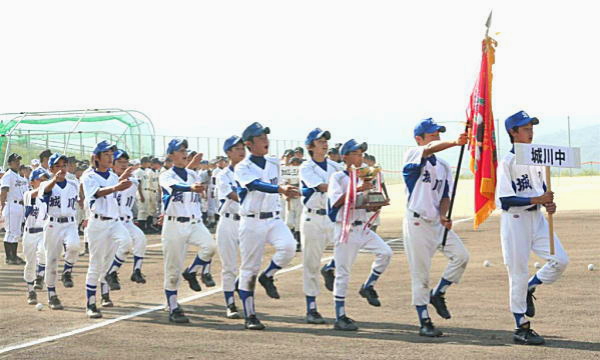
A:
(349, 204)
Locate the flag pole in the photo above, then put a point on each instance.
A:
(488, 23)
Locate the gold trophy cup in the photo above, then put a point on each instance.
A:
(371, 198)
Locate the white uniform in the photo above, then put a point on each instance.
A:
(60, 228)
(105, 231)
(524, 229)
(14, 211)
(228, 239)
(293, 206)
(181, 228)
(33, 237)
(428, 181)
(144, 182)
(211, 200)
(126, 200)
(260, 223)
(316, 228)
(359, 237)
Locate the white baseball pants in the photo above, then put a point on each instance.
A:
(316, 233)
(35, 254)
(13, 214)
(228, 242)
(59, 237)
(104, 237)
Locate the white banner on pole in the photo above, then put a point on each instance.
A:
(548, 155)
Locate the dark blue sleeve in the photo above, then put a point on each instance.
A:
(263, 187)
(181, 187)
(446, 193)
(509, 201)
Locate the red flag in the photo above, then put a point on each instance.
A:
(482, 142)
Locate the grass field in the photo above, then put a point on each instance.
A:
(568, 311)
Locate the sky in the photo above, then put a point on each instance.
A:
(363, 69)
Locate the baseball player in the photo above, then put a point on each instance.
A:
(333, 154)
(181, 228)
(228, 240)
(12, 188)
(359, 236)
(126, 200)
(294, 205)
(260, 221)
(142, 174)
(60, 229)
(316, 227)
(105, 232)
(520, 193)
(44, 158)
(428, 182)
(33, 239)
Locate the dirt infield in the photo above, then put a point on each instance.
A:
(568, 312)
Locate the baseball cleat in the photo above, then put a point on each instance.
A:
(92, 312)
(252, 323)
(314, 317)
(39, 283)
(329, 277)
(370, 294)
(54, 303)
(427, 329)
(67, 279)
(32, 298)
(177, 316)
(439, 303)
(525, 335)
(207, 279)
(530, 312)
(138, 277)
(232, 312)
(344, 323)
(106, 301)
(269, 284)
(112, 280)
(18, 260)
(192, 280)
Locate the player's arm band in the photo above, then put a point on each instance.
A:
(509, 201)
(181, 187)
(263, 187)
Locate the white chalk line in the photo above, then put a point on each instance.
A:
(149, 310)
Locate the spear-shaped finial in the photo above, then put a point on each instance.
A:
(488, 23)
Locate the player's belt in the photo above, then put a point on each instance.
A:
(148, 189)
(416, 215)
(62, 219)
(533, 208)
(235, 217)
(103, 218)
(181, 219)
(357, 223)
(125, 218)
(35, 230)
(318, 211)
(264, 215)
(20, 202)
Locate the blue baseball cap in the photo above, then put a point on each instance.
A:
(519, 119)
(253, 130)
(176, 144)
(231, 142)
(427, 126)
(317, 134)
(352, 145)
(103, 146)
(38, 173)
(119, 154)
(55, 157)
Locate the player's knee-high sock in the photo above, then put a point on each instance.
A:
(422, 313)
(229, 298)
(271, 269)
(247, 298)
(534, 282)
(104, 289)
(116, 264)
(311, 303)
(137, 262)
(340, 306)
(441, 287)
(30, 286)
(171, 299)
(520, 319)
(197, 264)
(51, 291)
(206, 268)
(372, 280)
(90, 293)
(7, 250)
(41, 270)
(68, 267)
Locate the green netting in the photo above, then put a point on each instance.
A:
(75, 132)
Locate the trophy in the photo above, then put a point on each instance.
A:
(370, 198)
